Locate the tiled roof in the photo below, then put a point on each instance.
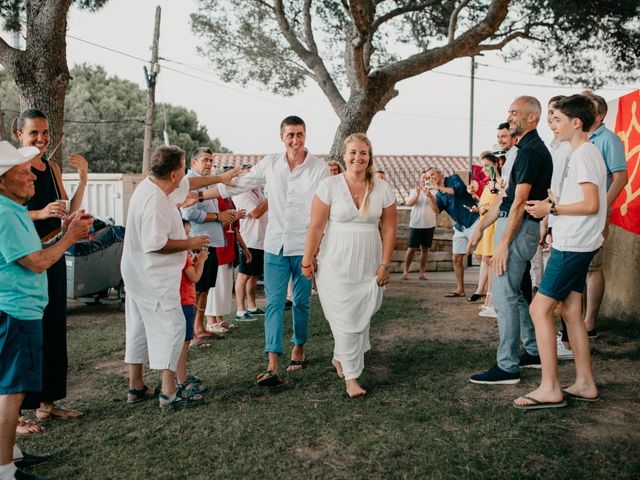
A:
(402, 171)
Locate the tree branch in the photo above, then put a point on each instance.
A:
(500, 45)
(308, 29)
(453, 21)
(359, 50)
(9, 56)
(462, 46)
(401, 11)
(312, 60)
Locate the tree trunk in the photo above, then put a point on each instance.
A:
(40, 71)
(359, 112)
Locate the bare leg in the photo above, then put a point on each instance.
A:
(168, 382)
(458, 268)
(482, 288)
(408, 258)
(198, 323)
(424, 258)
(136, 382)
(181, 371)
(241, 285)
(542, 315)
(251, 292)
(9, 413)
(585, 384)
(595, 292)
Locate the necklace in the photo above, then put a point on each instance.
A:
(356, 189)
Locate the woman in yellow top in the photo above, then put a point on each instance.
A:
(484, 250)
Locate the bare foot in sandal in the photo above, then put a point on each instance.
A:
(297, 359)
(27, 427)
(51, 410)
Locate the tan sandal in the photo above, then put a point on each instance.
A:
(60, 413)
(27, 427)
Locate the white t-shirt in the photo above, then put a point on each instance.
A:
(510, 157)
(560, 154)
(422, 215)
(582, 233)
(153, 278)
(252, 229)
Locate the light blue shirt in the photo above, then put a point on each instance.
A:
(23, 293)
(196, 214)
(612, 151)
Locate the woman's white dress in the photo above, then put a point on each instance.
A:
(350, 254)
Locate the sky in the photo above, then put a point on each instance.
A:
(430, 116)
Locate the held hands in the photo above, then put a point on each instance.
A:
(78, 162)
(78, 224)
(308, 268)
(537, 208)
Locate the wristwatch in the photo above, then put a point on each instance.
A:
(553, 210)
(200, 196)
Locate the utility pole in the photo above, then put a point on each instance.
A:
(473, 76)
(1, 123)
(151, 77)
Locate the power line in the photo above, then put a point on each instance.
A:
(206, 80)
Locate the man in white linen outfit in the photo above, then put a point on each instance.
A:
(291, 178)
(154, 254)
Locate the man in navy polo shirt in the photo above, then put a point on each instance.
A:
(453, 197)
(517, 235)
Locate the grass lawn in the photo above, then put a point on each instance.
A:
(421, 419)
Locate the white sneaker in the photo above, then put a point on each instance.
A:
(488, 312)
(563, 352)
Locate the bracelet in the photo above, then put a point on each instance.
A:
(305, 266)
(216, 217)
(385, 266)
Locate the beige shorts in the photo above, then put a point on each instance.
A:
(155, 334)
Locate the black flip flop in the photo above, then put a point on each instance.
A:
(269, 379)
(297, 363)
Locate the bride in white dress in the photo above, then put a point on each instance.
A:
(357, 215)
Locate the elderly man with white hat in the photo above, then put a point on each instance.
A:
(23, 296)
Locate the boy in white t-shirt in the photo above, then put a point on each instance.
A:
(422, 225)
(580, 215)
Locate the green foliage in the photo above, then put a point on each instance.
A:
(104, 120)
(12, 10)
(584, 41)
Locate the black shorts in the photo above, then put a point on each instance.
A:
(209, 272)
(421, 237)
(256, 267)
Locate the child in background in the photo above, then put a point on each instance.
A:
(189, 387)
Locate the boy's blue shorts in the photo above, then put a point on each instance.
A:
(189, 315)
(565, 272)
(20, 355)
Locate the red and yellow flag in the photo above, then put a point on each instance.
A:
(626, 208)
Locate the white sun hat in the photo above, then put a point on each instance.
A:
(11, 156)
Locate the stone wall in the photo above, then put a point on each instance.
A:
(440, 252)
(622, 274)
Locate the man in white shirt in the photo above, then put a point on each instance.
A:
(155, 251)
(422, 225)
(291, 178)
(252, 229)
